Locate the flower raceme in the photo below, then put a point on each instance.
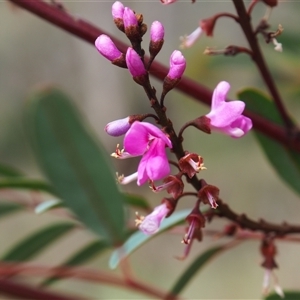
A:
(227, 116)
(146, 140)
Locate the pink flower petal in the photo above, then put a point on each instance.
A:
(219, 95)
(151, 223)
(226, 113)
(154, 165)
(136, 139)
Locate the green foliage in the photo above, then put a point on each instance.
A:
(137, 201)
(35, 243)
(75, 164)
(26, 184)
(287, 296)
(194, 267)
(9, 171)
(285, 161)
(8, 208)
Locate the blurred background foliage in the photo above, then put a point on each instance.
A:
(33, 52)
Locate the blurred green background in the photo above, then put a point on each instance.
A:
(33, 52)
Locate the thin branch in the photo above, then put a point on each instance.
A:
(12, 269)
(22, 291)
(89, 33)
(243, 221)
(245, 22)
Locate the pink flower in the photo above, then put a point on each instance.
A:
(177, 65)
(149, 141)
(227, 116)
(134, 63)
(151, 223)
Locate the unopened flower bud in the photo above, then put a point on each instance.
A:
(131, 25)
(157, 33)
(129, 18)
(136, 66)
(177, 67)
(118, 127)
(117, 11)
(108, 49)
(121, 126)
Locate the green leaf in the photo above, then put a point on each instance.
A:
(35, 243)
(27, 184)
(47, 205)
(138, 238)
(287, 296)
(285, 161)
(8, 208)
(83, 255)
(9, 171)
(194, 267)
(137, 201)
(75, 164)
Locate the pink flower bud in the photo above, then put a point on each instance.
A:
(177, 65)
(107, 48)
(129, 18)
(118, 127)
(117, 10)
(157, 31)
(134, 63)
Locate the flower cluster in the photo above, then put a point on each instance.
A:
(151, 142)
(146, 140)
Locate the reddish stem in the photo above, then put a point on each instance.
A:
(89, 33)
(245, 22)
(96, 276)
(22, 291)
